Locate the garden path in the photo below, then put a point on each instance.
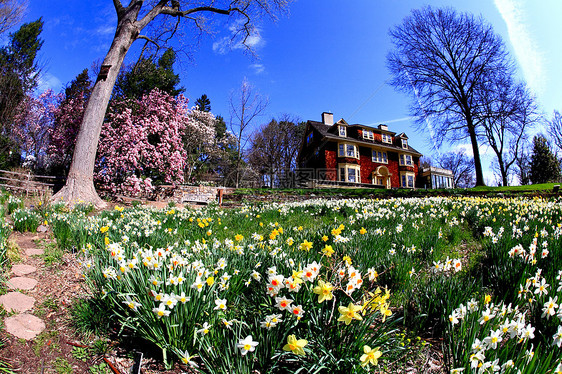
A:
(22, 325)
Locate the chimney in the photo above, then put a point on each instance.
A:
(327, 118)
(383, 127)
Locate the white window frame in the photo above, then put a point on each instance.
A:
(342, 131)
(386, 138)
(405, 143)
(368, 134)
(344, 175)
(404, 160)
(383, 159)
(405, 181)
(344, 152)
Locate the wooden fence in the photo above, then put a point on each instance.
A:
(29, 183)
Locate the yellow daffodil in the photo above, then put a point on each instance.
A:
(295, 346)
(362, 231)
(238, 237)
(306, 246)
(328, 250)
(324, 291)
(349, 313)
(325, 238)
(370, 356)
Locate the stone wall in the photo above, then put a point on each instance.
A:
(198, 194)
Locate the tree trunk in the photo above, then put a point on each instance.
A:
(80, 183)
(476, 153)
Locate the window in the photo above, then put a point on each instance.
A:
(378, 156)
(342, 131)
(386, 138)
(309, 138)
(405, 143)
(406, 160)
(407, 180)
(348, 150)
(349, 173)
(368, 134)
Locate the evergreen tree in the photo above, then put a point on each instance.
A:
(146, 75)
(545, 167)
(19, 71)
(203, 104)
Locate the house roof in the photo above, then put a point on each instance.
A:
(323, 129)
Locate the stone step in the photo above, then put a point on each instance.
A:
(24, 326)
(17, 302)
(20, 270)
(33, 251)
(21, 283)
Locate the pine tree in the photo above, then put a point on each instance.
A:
(19, 70)
(203, 103)
(545, 167)
(145, 75)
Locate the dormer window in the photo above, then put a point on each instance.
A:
(386, 138)
(405, 143)
(368, 134)
(342, 131)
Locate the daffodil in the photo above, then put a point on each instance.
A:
(370, 356)
(306, 246)
(295, 346)
(328, 250)
(324, 291)
(349, 313)
(247, 345)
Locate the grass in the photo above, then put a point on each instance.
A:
(62, 366)
(53, 254)
(547, 187)
(378, 192)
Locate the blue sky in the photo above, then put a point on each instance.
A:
(326, 55)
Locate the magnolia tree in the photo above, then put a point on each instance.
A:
(141, 144)
(199, 141)
(32, 125)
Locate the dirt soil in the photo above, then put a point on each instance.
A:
(52, 351)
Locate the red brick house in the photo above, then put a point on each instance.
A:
(357, 155)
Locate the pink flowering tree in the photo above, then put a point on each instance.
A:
(141, 144)
(32, 125)
(68, 117)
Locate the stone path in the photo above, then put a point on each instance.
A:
(21, 324)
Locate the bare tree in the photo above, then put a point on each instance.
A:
(11, 13)
(555, 129)
(245, 106)
(462, 167)
(274, 148)
(507, 112)
(440, 58)
(170, 16)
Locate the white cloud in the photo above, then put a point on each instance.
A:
(254, 41)
(483, 149)
(49, 81)
(526, 50)
(105, 30)
(258, 68)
